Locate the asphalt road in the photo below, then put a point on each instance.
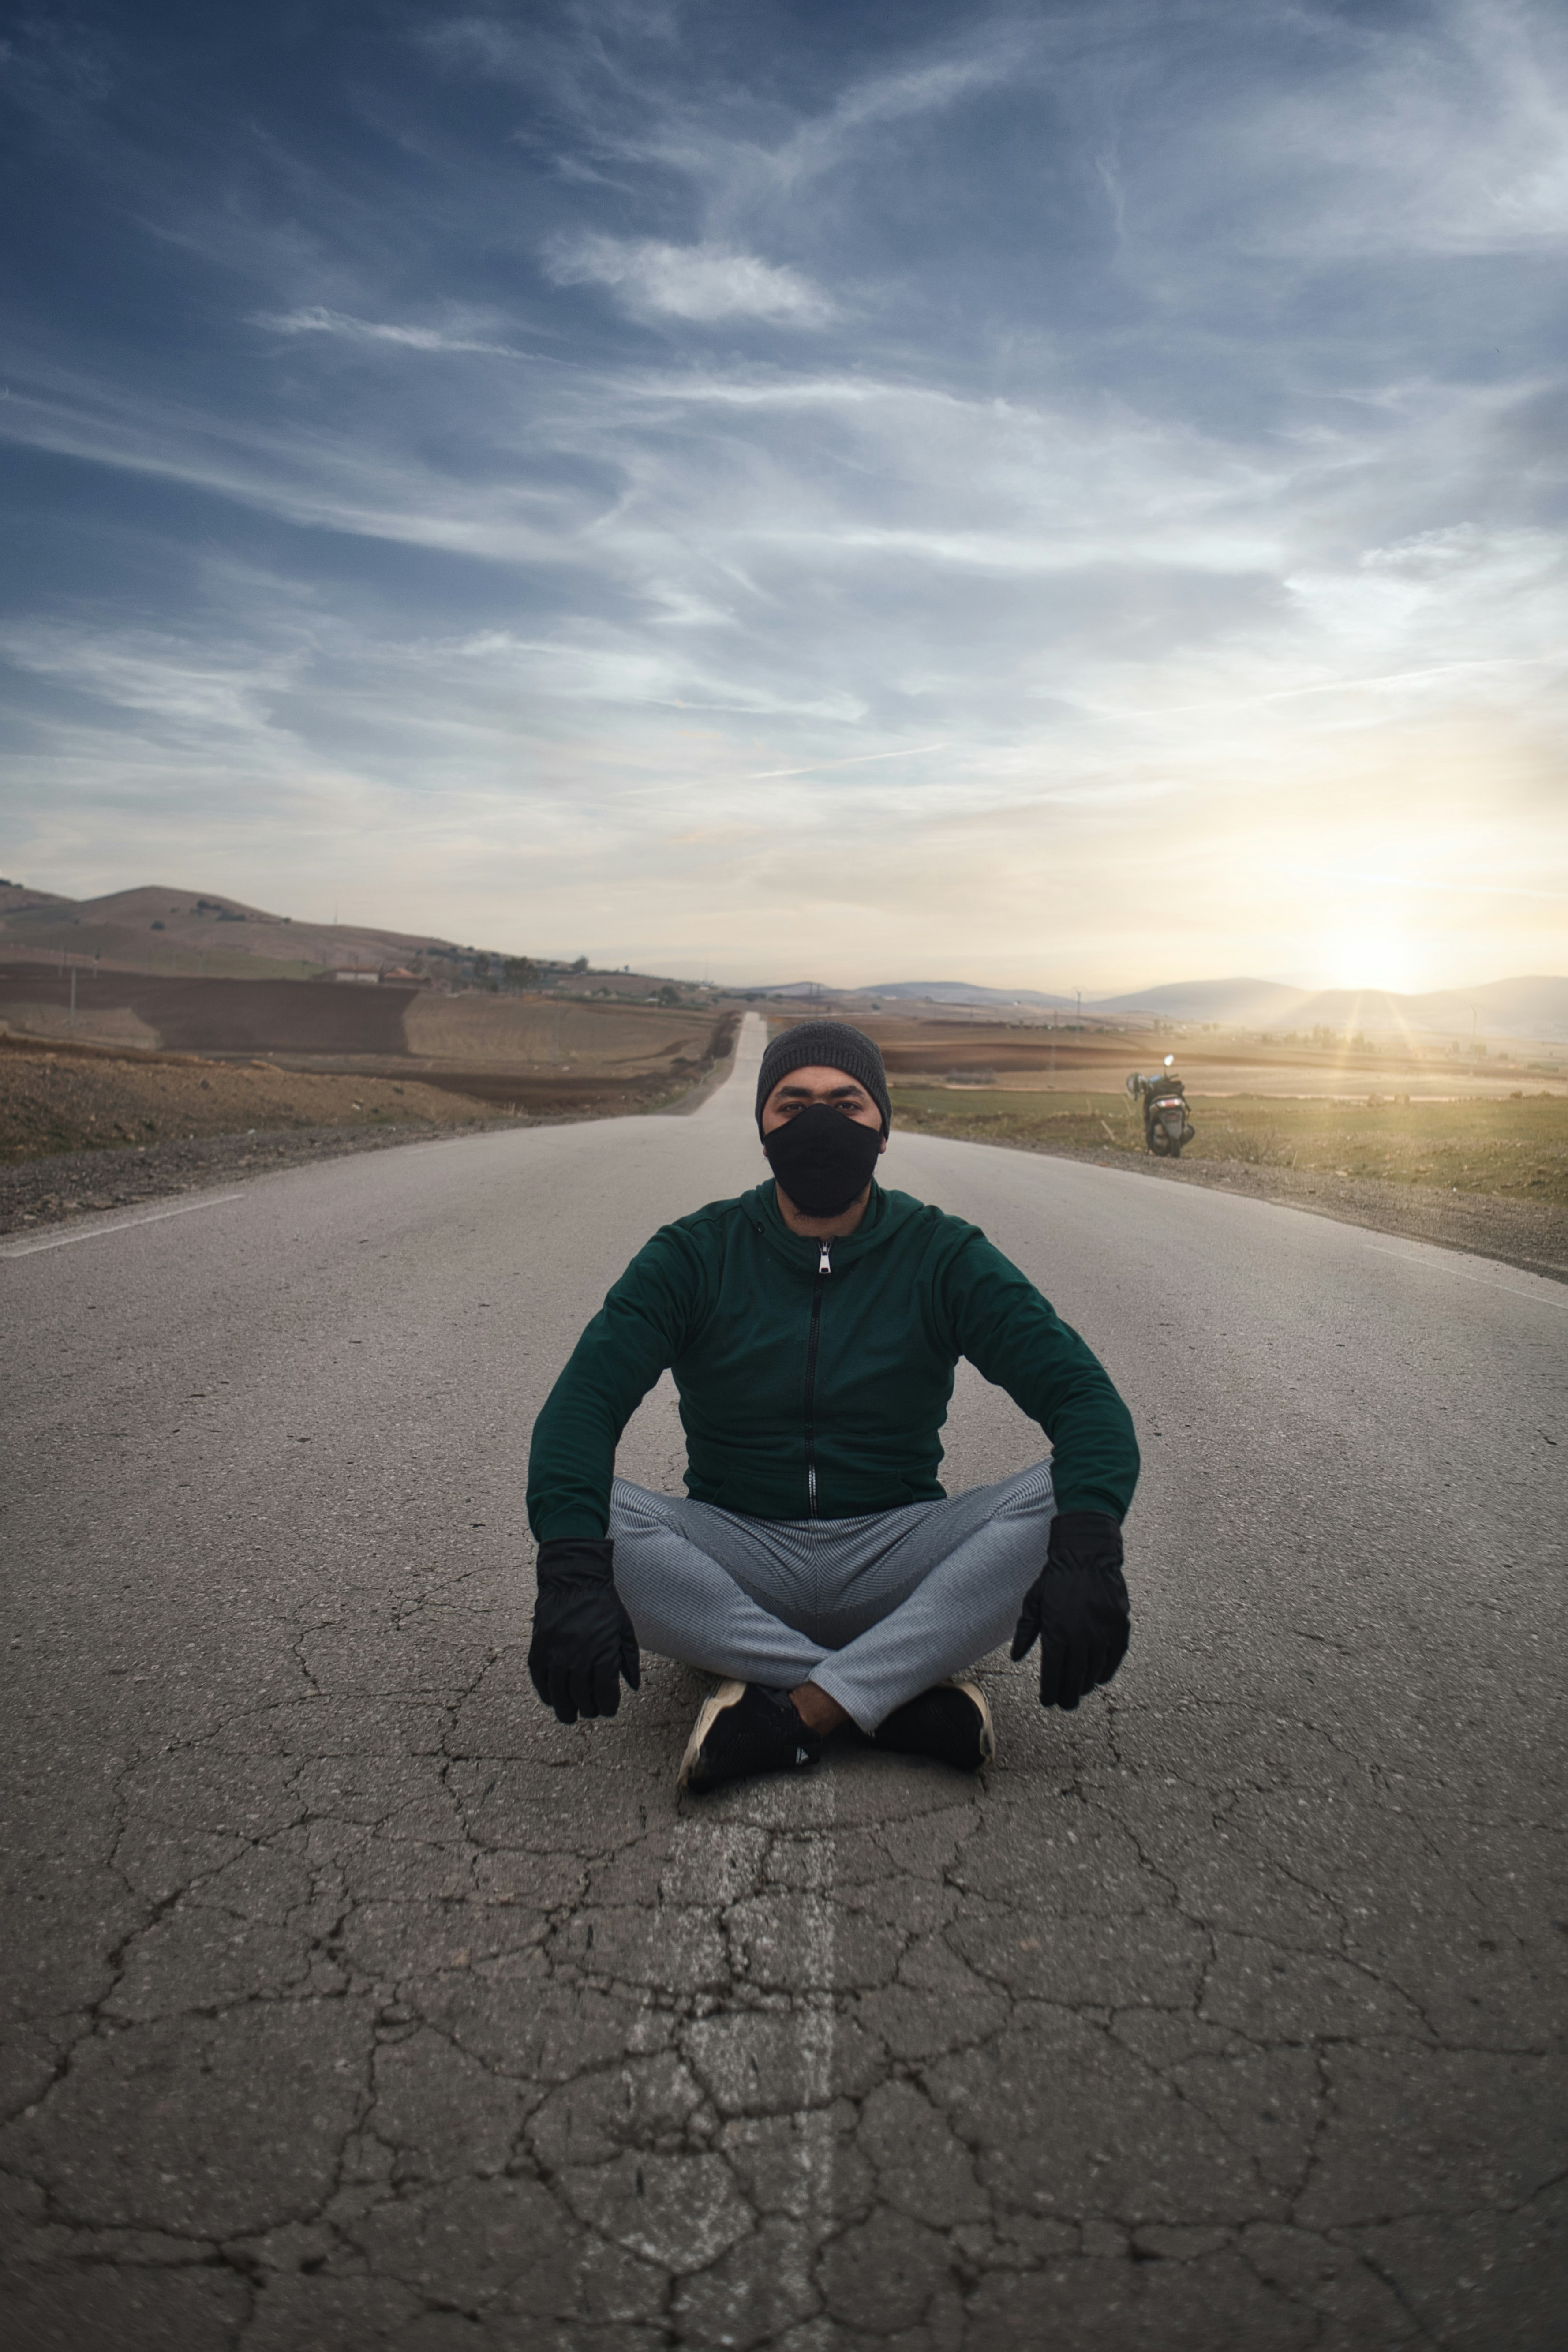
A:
(353, 2001)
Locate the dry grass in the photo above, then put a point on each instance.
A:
(1518, 1148)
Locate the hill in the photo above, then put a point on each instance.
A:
(156, 928)
(1527, 1007)
(1234, 1003)
(964, 991)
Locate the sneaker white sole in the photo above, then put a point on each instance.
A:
(728, 1695)
(987, 1729)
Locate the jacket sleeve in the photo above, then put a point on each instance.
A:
(1015, 1337)
(636, 1334)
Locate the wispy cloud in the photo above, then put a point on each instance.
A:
(697, 282)
(316, 321)
(1446, 136)
(1099, 468)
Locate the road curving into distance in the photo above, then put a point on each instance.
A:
(353, 2001)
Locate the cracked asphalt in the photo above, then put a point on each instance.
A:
(353, 2001)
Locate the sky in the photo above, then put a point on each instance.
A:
(1066, 495)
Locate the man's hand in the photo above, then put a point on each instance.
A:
(582, 1638)
(1078, 1606)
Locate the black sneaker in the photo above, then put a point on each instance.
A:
(952, 1722)
(745, 1730)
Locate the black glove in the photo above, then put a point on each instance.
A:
(582, 1638)
(1078, 1605)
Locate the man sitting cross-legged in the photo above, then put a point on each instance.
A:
(812, 1326)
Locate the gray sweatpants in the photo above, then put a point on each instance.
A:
(870, 1610)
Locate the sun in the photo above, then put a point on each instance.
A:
(1368, 956)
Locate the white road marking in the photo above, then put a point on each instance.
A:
(1442, 1265)
(96, 1233)
(817, 2020)
(707, 1854)
(805, 1809)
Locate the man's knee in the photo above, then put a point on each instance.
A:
(638, 1511)
(1028, 1494)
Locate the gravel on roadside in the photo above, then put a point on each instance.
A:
(1532, 1234)
(48, 1191)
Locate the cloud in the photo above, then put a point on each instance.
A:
(697, 282)
(1447, 134)
(1081, 476)
(315, 320)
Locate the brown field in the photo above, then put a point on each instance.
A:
(74, 1095)
(513, 1053)
(1032, 1059)
(204, 1016)
(1516, 1147)
(538, 1034)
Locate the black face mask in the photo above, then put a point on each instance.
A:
(822, 1160)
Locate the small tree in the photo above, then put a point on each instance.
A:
(520, 971)
(581, 964)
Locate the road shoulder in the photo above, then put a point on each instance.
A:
(1529, 1234)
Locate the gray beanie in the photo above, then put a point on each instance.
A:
(836, 1046)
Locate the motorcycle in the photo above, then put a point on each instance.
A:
(1167, 1123)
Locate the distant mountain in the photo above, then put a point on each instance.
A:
(1499, 1008)
(809, 989)
(963, 992)
(919, 991)
(1532, 1007)
(1237, 1003)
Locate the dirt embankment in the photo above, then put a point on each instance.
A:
(65, 1098)
(82, 1129)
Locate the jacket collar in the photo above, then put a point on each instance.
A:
(885, 1212)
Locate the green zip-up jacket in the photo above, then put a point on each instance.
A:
(815, 1378)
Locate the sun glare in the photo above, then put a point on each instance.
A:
(1369, 958)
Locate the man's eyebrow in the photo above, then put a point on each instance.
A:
(849, 1087)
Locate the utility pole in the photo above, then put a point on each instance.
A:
(73, 997)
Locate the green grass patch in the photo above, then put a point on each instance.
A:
(1519, 1147)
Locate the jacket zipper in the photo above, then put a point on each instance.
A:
(823, 1268)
